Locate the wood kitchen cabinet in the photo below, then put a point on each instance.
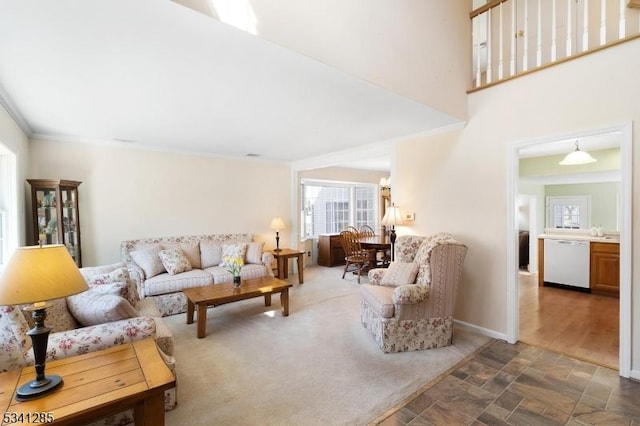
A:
(605, 268)
(330, 251)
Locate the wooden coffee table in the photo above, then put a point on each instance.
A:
(96, 384)
(219, 294)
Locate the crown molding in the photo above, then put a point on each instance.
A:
(14, 112)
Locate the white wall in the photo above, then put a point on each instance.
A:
(396, 44)
(130, 193)
(457, 182)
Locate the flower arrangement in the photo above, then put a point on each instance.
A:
(235, 265)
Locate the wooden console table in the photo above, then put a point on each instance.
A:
(96, 385)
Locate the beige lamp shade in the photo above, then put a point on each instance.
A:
(37, 274)
(392, 217)
(277, 224)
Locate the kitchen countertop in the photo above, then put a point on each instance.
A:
(581, 237)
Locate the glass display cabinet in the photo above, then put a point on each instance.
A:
(54, 206)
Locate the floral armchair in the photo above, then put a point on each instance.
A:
(410, 305)
(127, 319)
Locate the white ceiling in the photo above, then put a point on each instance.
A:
(166, 77)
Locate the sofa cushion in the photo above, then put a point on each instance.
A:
(254, 252)
(58, 316)
(174, 261)
(147, 258)
(119, 275)
(400, 273)
(379, 299)
(230, 251)
(100, 305)
(13, 335)
(165, 283)
(190, 250)
(210, 254)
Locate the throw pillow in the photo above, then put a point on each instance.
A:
(254, 253)
(190, 250)
(147, 258)
(210, 254)
(100, 305)
(400, 273)
(58, 316)
(119, 275)
(174, 261)
(230, 251)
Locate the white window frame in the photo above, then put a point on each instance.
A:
(351, 186)
(583, 204)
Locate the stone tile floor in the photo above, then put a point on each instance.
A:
(519, 384)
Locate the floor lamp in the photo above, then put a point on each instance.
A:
(392, 217)
(33, 276)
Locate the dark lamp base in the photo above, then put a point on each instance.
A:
(35, 389)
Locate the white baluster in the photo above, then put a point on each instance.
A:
(569, 51)
(603, 22)
(501, 43)
(489, 50)
(622, 30)
(525, 50)
(554, 33)
(539, 38)
(476, 43)
(514, 39)
(585, 26)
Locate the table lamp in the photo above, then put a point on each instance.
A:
(35, 275)
(392, 217)
(277, 224)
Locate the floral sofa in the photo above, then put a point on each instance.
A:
(163, 267)
(410, 305)
(110, 313)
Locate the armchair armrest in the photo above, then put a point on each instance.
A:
(267, 261)
(410, 294)
(375, 275)
(97, 337)
(137, 274)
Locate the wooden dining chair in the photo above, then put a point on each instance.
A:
(353, 253)
(352, 229)
(366, 231)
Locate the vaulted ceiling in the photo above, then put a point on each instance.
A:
(161, 75)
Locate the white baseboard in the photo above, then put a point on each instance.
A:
(635, 375)
(481, 330)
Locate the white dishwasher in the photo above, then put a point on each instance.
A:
(567, 262)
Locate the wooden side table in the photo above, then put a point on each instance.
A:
(96, 385)
(282, 257)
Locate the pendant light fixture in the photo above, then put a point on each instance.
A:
(577, 157)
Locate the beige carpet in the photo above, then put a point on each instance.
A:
(318, 366)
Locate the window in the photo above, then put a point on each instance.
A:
(329, 207)
(569, 212)
(8, 205)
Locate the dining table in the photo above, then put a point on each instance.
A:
(379, 243)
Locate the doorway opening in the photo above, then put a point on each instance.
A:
(623, 134)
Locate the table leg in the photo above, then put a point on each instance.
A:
(150, 411)
(284, 302)
(285, 267)
(300, 268)
(267, 299)
(202, 320)
(190, 309)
